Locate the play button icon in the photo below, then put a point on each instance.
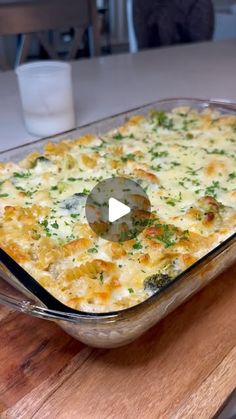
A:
(117, 209)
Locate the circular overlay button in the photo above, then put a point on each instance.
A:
(117, 209)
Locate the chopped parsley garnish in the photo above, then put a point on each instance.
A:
(131, 291)
(196, 182)
(185, 126)
(173, 201)
(22, 175)
(129, 156)
(166, 236)
(4, 195)
(181, 183)
(232, 176)
(193, 172)
(101, 277)
(44, 224)
(175, 164)
(156, 168)
(158, 154)
(55, 225)
(137, 246)
(118, 137)
(213, 189)
(86, 191)
(27, 193)
(216, 151)
(162, 120)
(185, 235)
(74, 215)
(93, 250)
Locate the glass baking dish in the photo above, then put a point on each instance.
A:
(115, 329)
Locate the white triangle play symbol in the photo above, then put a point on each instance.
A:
(117, 210)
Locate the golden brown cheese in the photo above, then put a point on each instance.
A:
(185, 160)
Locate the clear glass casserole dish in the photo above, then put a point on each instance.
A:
(118, 328)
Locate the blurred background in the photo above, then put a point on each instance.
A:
(74, 29)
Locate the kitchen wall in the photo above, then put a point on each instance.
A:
(225, 24)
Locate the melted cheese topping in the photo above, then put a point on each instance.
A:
(186, 162)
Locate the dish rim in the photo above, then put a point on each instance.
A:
(129, 311)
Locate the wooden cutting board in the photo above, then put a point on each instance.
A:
(184, 367)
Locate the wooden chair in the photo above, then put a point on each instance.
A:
(3, 60)
(37, 17)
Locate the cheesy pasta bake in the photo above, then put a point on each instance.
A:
(185, 160)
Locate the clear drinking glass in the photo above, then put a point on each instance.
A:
(47, 97)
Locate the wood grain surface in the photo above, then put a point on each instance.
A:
(184, 367)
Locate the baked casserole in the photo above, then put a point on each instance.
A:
(185, 160)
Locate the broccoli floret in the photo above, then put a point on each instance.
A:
(155, 282)
(74, 202)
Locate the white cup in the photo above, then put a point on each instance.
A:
(47, 97)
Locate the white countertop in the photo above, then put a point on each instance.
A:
(109, 85)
